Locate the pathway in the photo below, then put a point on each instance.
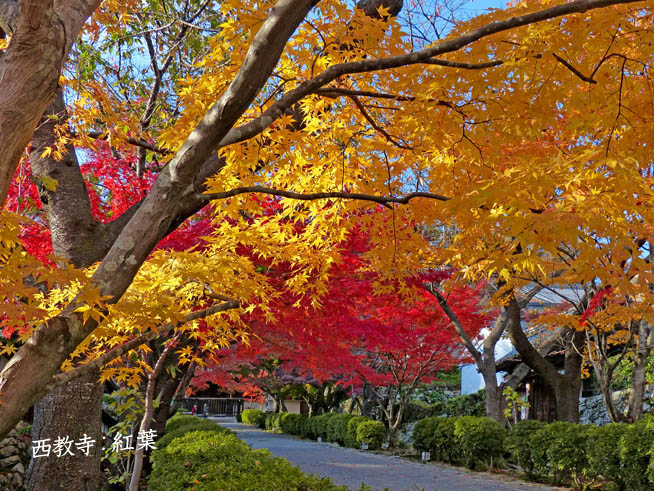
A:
(352, 467)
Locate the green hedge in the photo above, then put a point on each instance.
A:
(254, 417)
(518, 445)
(371, 433)
(637, 455)
(603, 452)
(352, 425)
(584, 456)
(330, 427)
(211, 459)
(181, 424)
(337, 428)
(417, 410)
(444, 447)
(559, 449)
(480, 440)
(423, 433)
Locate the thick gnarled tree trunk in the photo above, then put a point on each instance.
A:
(566, 386)
(71, 411)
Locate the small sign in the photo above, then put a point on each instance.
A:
(426, 456)
(364, 446)
(319, 439)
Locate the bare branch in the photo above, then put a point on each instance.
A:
(384, 200)
(456, 322)
(465, 66)
(566, 64)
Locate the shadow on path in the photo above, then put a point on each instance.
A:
(352, 467)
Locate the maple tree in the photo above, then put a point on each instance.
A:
(525, 130)
(390, 343)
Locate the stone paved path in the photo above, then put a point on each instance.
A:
(352, 467)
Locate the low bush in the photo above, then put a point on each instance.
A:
(417, 410)
(603, 452)
(444, 446)
(466, 405)
(209, 460)
(337, 428)
(180, 420)
(352, 425)
(181, 424)
(518, 445)
(423, 434)
(272, 421)
(320, 425)
(480, 441)
(636, 447)
(331, 427)
(254, 417)
(292, 423)
(371, 432)
(559, 449)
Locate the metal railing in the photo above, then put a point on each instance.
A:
(217, 406)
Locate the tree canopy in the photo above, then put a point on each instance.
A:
(146, 139)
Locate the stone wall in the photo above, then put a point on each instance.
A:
(14, 458)
(592, 409)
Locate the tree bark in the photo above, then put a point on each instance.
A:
(29, 374)
(72, 410)
(147, 415)
(78, 238)
(638, 379)
(567, 386)
(42, 35)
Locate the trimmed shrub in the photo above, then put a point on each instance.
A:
(481, 441)
(209, 460)
(635, 446)
(337, 428)
(417, 410)
(292, 423)
(559, 449)
(179, 425)
(423, 433)
(466, 405)
(371, 432)
(180, 420)
(444, 446)
(273, 421)
(518, 445)
(254, 417)
(320, 425)
(603, 452)
(352, 425)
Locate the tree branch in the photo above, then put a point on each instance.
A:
(566, 64)
(384, 200)
(118, 351)
(8, 15)
(465, 66)
(254, 127)
(456, 322)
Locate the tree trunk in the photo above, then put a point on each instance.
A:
(638, 379)
(493, 397)
(566, 387)
(140, 452)
(78, 238)
(72, 410)
(567, 401)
